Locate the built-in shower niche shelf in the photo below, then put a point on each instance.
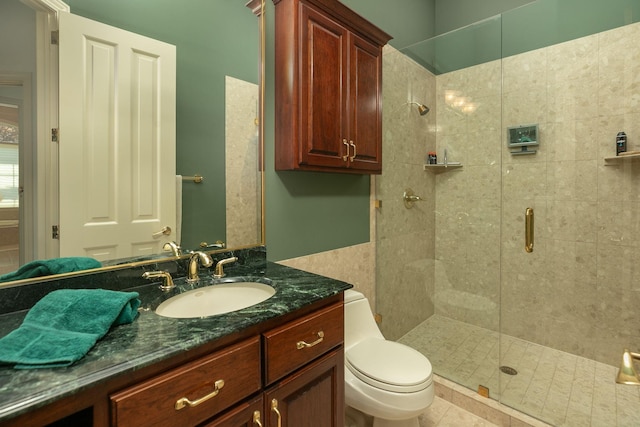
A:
(441, 167)
(614, 160)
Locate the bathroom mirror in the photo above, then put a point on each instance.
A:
(215, 40)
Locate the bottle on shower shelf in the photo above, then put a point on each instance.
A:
(432, 159)
(621, 143)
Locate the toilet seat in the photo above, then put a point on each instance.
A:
(389, 365)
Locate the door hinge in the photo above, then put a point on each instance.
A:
(54, 37)
(54, 135)
(55, 232)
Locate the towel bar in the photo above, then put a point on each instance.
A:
(196, 178)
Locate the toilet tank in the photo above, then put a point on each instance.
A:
(358, 319)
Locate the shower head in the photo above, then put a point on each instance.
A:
(422, 109)
(627, 373)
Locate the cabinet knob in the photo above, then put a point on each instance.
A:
(354, 151)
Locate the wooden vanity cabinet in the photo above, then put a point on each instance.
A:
(299, 365)
(292, 365)
(328, 88)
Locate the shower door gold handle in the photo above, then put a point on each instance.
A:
(528, 230)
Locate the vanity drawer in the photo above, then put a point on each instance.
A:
(298, 342)
(157, 402)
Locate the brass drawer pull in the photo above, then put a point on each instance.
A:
(346, 156)
(274, 408)
(301, 344)
(184, 402)
(354, 151)
(256, 418)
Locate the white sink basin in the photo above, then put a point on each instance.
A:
(215, 299)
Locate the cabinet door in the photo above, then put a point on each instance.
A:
(323, 95)
(365, 125)
(247, 414)
(311, 397)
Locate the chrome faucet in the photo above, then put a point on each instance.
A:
(167, 281)
(219, 273)
(195, 260)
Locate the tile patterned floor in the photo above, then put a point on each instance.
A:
(559, 388)
(441, 413)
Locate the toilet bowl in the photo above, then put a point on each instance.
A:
(387, 380)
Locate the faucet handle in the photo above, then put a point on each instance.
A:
(219, 272)
(167, 282)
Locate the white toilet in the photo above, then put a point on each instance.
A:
(384, 379)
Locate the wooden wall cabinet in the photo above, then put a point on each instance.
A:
(328, 88)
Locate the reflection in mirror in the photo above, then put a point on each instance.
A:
(9, 170)
(241, 162)
(213, 39)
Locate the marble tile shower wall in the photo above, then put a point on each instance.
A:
(580, 288)
(405, 237)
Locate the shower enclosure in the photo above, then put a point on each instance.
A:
(530, 103)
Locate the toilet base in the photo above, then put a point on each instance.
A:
(379, 422)
(355, 418)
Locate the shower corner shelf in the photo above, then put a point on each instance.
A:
(618, 159)
(441, 167)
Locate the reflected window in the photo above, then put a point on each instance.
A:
(9, 171)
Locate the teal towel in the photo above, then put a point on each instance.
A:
(63, 326)
(46, 267)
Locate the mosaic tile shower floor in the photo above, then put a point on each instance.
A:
(559, 388)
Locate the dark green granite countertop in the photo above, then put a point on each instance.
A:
(152, 338)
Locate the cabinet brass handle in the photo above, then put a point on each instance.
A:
(346, 156)
(301, 344)
(256, 418)
(354, 151)
(528, 230)
(184, 402)
(274, 408)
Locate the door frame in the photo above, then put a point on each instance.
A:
(45, 173)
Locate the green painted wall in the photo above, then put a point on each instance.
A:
(408, 21)
(532, 26)
(455, 14)
(214, 38)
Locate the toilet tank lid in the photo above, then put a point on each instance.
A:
(350, 295)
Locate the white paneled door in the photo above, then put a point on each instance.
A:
(116, 140)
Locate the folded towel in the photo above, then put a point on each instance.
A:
(46, 267)
(62, 327)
